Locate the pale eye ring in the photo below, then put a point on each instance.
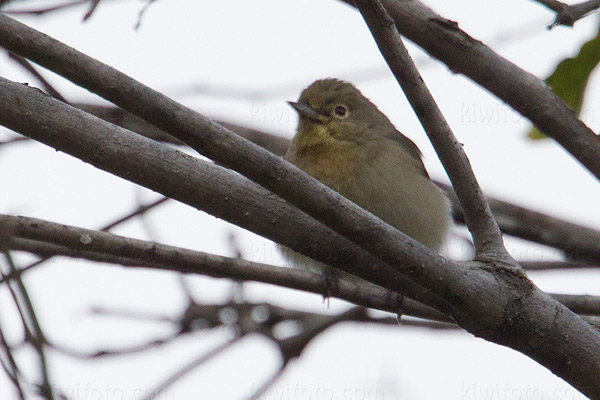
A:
(340, 111)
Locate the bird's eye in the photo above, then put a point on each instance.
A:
(340, 111)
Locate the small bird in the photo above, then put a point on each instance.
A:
(344, 141)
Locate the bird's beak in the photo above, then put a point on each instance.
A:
(306, 111)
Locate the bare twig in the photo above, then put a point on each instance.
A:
(115, 352)
(312, 326)
(93, 6)
(243, 318)
(12, 369)
(45, 10)
(189, 368)
(582, 304)
(142, 12)
(135, 315)
(141, 210)
(268, 383)
(349, 290)
(34, 334)
(36, 74)
(14, 140)
(568, 14)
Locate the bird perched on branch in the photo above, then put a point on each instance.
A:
(344, 141)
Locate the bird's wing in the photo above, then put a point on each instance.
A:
(410, 147)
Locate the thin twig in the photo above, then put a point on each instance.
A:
(12, 369)
(93, 6)
(268, 383)
(189, 368)
(115, 352)
(14, 140)
(136, 315)
(41, 11)
(36, 335)
(139, 211)
(142, 13)
(568, 14)
(36, 74)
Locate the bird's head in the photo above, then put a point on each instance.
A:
(331, 109)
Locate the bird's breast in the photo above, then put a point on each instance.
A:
(333, 165)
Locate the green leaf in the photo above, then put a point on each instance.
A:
(569, 79)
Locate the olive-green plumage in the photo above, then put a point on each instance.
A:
(344, 141)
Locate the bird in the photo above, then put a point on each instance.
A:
(346, 143)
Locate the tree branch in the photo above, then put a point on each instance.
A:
(45, 10)
(47, 238)
(568, 14)
(478, 216)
